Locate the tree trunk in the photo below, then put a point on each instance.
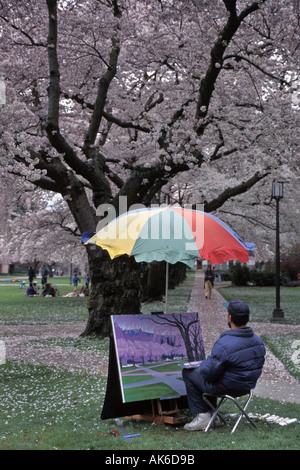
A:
(177, 274)
(115, 290)
(153, 281)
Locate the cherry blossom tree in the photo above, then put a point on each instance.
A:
(44, 232)
(110, 98)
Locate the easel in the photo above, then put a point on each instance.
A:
(168, 415)
(163, 410)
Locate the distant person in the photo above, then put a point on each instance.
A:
(84, 291)
(31, 274)
(208, 282)
(30, 292)
(75, 281)
(48, 291)
(36, 288)
(233, 367)
(44, 273)
(216, 274)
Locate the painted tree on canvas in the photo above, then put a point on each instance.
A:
(189, 327)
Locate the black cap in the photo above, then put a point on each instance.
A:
(237, 308)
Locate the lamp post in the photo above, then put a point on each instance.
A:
(277, 194)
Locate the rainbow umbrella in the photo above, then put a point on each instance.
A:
(170, 234)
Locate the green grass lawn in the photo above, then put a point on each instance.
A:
(261, 301)
(45, 407)
(16, 308)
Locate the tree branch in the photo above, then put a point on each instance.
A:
(55, 137)
(109, 117)
(269, 74)
(250, 219)
(53, 89)
(103, 87)
(207, 84)
(234, 191)
(24, 33)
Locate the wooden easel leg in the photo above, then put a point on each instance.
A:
(161, 416)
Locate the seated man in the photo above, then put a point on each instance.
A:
(48, 291)
(233, 367)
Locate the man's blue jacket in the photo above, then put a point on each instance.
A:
(236, 360)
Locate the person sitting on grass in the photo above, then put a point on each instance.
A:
(83, 291)
(233, 367)
(30, 292)
(36, 288)
(48, 291)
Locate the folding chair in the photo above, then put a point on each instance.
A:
(222, 399)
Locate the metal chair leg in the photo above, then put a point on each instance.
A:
(216, 410)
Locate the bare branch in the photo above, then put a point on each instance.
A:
(103, 87)
(32, 42)
(207, 84)
(252, 220)
(265, 72)
(234, 191)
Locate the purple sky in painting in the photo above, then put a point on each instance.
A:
(140, 339)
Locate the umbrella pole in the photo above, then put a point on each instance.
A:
(167, 287)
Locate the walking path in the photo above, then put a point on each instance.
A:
(275, 382)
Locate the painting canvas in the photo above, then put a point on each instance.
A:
(151, 351)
